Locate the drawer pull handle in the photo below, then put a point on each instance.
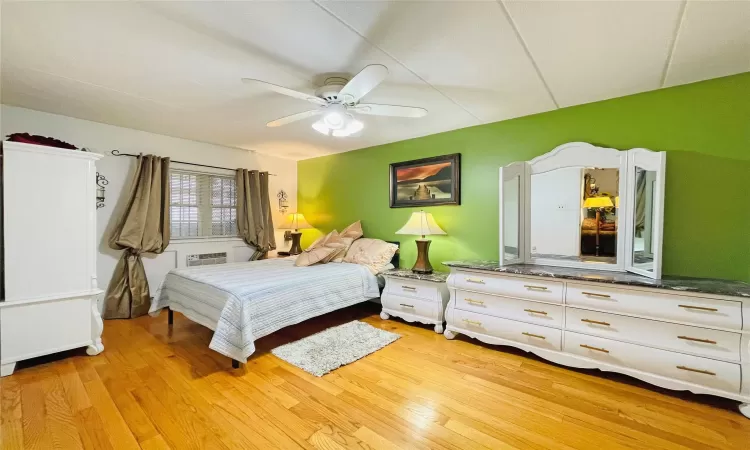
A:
(595, 322)
(475, 280)
(594, 294)
(532, 287)
(407, 306)
(473, 322)
(474, 302)
(597, 349)
(410, 288)
(533, 335)
(690, 369)
(533, 311)
(688, 338)
(701, 308)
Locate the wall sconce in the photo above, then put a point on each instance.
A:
(101, 181)
(283, 201)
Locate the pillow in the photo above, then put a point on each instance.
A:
(349, 235)
(374, 254)
(317, 242)
(322, 251)
(353, 231)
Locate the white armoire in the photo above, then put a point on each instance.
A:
(49, 253)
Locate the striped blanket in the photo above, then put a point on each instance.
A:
(245, 301)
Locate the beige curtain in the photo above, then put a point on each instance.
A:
(143, 228)
(254, 222)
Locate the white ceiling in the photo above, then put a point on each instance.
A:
(174, 67)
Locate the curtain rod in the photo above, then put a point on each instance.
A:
(117, 153)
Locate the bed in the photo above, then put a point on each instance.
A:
(242, 302)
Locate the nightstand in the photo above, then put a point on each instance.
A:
(415, 297)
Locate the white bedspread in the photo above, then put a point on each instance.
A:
(245, 301)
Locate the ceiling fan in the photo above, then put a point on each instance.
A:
(337, 99)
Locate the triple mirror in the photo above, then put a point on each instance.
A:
(584, 206)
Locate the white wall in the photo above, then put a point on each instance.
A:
(103, 138)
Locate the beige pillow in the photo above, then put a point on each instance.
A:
(353, 231)
(374, 254)
(349, 235)
(322, 252)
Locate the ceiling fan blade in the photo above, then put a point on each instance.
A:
(389, 110)
(363, 82)
(286, 91)
(293, 118)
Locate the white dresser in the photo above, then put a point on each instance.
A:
(49, 240)
(684, 334)
(415, 297)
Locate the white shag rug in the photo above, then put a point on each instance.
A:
(335, 347)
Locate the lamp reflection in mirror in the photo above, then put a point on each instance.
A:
(598, 203)
(296, 222)
(421, 224)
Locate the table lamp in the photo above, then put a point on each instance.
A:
(421, 224)
(296, 222)
(598, 203)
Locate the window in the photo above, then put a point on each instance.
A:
(202, 205)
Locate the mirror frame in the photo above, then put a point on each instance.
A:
(652, 162)
(584, 155)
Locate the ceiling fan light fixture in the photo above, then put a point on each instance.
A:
(321, 127)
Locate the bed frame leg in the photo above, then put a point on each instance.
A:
(170, 316)
(235, 364)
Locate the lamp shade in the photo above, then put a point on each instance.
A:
(598, 202)
(295, 221)
(422, 224)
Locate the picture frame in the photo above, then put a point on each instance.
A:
(426, 182)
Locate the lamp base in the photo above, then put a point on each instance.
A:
(423, 258)
(296, 248)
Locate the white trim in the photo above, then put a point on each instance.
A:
(33, 148)
(9, 303)
(47, 352)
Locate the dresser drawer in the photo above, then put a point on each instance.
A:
(692, 369)
(510, 308)
(412, 289)
(525, 333)
(671, 336)
(413, 306)
(530, 289)
(679, 308)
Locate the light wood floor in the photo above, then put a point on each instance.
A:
(155, 389)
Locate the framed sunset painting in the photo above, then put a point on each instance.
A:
(426, 182)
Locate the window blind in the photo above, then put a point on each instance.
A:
(202, 205)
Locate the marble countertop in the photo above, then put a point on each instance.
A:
(685, 284)
(437, 277)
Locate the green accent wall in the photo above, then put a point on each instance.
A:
(704, 127)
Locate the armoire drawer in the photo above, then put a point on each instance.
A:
(530, 289)
(671, 336)
(510, 308)
(33, 329)
(720, 375)
(678, 308)
(512, 330)
(411, 306)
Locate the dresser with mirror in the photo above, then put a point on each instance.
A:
(579, 278)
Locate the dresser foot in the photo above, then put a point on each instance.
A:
(439, 328)
(95, 348)
(745, 409)
(7, 369)
(384, 315)
(450, 334)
